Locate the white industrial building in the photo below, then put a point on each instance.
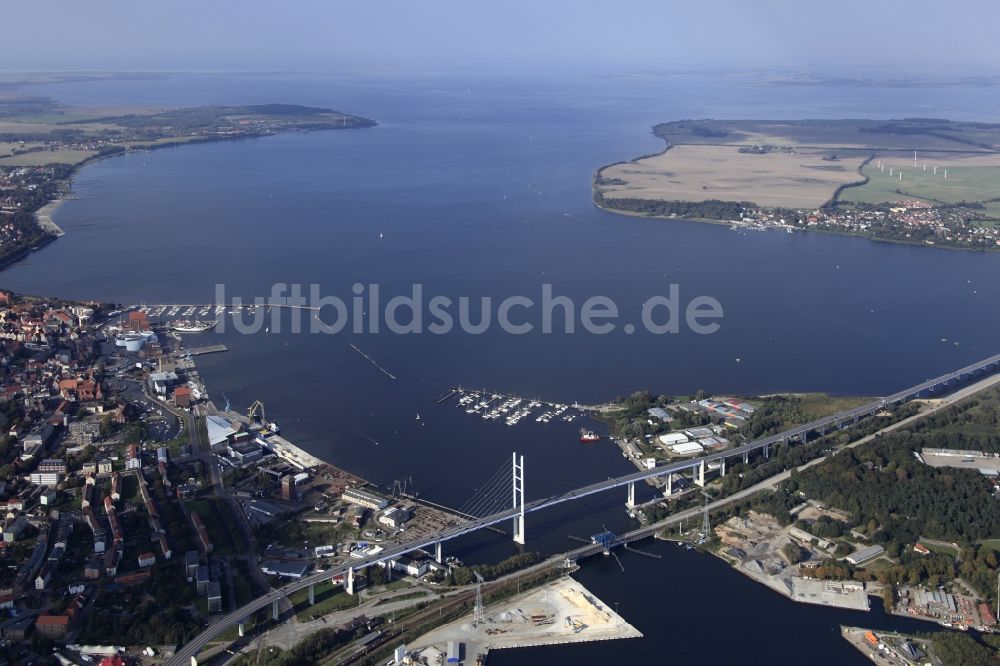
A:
(687, 449)
(219, 430)
(672, 438)
(394, 517)
(365, 498)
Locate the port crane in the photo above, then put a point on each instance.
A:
(255, 408)
(256, 414)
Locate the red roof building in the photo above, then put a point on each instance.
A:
(52, 625)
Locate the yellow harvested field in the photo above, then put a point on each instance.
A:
(802, 179)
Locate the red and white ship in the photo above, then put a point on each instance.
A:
(588, 435)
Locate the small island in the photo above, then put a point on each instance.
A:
(916, 180)
(42, 143)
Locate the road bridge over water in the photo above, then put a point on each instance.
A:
(520, 508)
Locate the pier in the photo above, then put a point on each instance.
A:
(208, 349)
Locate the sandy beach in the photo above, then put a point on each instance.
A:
(44, 217)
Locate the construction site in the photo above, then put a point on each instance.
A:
(562, 611)
(755, 545)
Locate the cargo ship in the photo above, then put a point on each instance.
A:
(588, 435)
(182, 326)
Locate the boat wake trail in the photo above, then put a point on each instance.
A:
(355, 348)
(372, 361)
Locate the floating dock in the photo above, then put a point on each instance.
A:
(512, 408)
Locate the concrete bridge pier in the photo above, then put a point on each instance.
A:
(746, 457)
(767, 451)
(722, 468)
(312, 594)
(668, 486)
(194, 660)
(700, 478)
(241, 629)
(274, 610)
(630, 501)
(438, 553)
(388, 570)
(349, 581)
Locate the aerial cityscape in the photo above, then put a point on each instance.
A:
(514, 334)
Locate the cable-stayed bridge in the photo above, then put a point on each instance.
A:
(502, 497)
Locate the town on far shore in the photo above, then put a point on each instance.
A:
(915, 180)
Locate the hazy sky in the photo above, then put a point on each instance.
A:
(512, 35)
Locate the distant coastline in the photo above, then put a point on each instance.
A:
(837, 176)
(150, 132)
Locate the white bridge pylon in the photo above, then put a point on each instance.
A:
(518, 496)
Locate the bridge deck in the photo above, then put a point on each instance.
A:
(182, 657)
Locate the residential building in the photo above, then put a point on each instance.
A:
(182, 397)
(214, 594)
(201, 579)
(84, 433)
(191, 563)
(52, 465)
(45, 478)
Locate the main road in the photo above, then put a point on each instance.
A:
(801, 432)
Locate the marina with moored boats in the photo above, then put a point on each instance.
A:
(512, 409)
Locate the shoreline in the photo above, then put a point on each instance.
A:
(561, 612)
(44, 214)
(827, 232)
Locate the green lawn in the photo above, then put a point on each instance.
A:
(989, 543)
(939, 549)
(329, 598)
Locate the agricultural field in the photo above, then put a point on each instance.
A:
(972, 177)
(802, 163)
(798, 179)
(44, 157)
